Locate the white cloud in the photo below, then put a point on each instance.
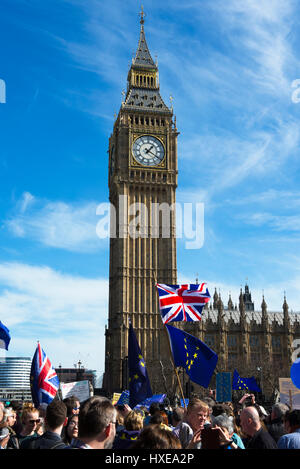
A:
(276, 222)
(57, 224)
(26, 201)
(67, 313)
(284, 198)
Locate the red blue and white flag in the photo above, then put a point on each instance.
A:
(44, 381)
(182, 302)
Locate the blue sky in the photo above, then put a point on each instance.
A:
(230, 68)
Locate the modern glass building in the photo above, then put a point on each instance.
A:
(15, 378)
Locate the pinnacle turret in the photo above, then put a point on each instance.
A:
(230, 303)
(143, 57)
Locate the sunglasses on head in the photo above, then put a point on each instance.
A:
(34, 421)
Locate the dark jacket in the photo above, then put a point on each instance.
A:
(13, 442)
(276, 429)
(261, 440)
(22, 439)
(49, 440)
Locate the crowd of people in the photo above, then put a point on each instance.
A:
(98, 424)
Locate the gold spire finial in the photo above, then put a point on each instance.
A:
(142, 14)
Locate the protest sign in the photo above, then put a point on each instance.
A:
(223, 387)
(289, 394)
(80, 389)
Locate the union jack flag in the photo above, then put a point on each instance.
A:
(182, 302)
(44, 381)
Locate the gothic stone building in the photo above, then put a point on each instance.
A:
(255, 342)
(143, 169)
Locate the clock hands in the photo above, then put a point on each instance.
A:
(148, 149)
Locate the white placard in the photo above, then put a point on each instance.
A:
(80, 389)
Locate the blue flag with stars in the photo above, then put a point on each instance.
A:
(198, 360)
(139, 384)
(4, 336)
(124, 398)
(249, 384)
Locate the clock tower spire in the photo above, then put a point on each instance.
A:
(142, 184)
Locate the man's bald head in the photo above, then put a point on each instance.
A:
(250, 421)
(252, 413)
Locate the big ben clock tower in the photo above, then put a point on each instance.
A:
(142, 176)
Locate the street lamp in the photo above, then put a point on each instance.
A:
(259, 368)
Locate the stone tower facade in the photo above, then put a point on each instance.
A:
(142, 177)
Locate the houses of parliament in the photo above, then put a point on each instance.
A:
(143, 170)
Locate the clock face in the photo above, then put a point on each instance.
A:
(148, 150)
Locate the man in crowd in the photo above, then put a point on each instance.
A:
(55, 420)
(292, 425)
(276, 426)
(251, 426)
(177, 418)
(96, 424)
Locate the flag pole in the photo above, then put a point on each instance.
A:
(171, 354)
(175, 369)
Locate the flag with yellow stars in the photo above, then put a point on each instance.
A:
(198, 360)
(139, 384)
(249, 384)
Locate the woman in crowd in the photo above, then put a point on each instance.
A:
(30, 420)
(71, 429)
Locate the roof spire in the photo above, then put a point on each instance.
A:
(142, 14)
(143, 57)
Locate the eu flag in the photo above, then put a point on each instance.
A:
(124, 398)
(249, 384)
(139, 384)
(4, 336)
(196, 357)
